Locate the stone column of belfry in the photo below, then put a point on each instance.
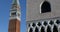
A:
(14, 22)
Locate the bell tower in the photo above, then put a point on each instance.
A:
(14, 22)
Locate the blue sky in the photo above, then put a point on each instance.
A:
(5, 6)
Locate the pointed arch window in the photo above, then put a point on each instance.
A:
(48, 29)
(31, 30)
(36, 29)
(42, 29)
(55, 29)
(45, 7)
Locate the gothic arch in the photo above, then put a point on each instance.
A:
(55, 29)
(42, 29)
(36, 29)
(31, 30)
(48, 29)
(45, 7)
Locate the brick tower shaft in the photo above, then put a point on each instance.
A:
(14, 26)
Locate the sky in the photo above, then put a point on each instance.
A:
(5, 6)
